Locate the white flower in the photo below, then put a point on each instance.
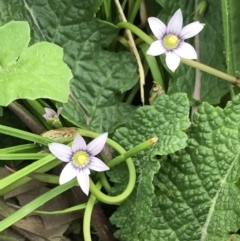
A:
(52, 117)
(171, 39)
(49, 113)
(81, 158)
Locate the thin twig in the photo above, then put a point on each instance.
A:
(135, 51)
(30, 120)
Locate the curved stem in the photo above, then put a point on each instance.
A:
(88, 214)
(104, 181)
(136, 30)
(121, 197)
(132, 173)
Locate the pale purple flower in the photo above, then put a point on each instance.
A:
(170, 39)
(49, 113)
(81, 158)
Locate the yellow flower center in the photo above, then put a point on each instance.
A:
(80, 159)
(170, 41)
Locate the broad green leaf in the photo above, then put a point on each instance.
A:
(96, 102)
(210, 47)
(30, 73)
(167, 119)
(14, 39)
(196, 189)
(212, 51)
(230, 14)
(100, 76)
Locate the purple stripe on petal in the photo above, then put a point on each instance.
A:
(97, 165)
(96, 145)
(86, 170)
(68, 173)
(175, 24)
(61, 151)
(79, 144)
(83, 181)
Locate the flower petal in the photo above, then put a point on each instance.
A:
(83, 181)
(49, 113)
(175, 24)
(86, 170)
(191, 30)
(96, 145)
(61, 151)
(79, 144)
(157, 26)
(172, 61)
(59, 111)
(156, 48)
(97, 165)
(186, 51)
(68, 173)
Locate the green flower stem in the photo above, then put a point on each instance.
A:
(134, 11)
(104, 181)
(101, 176)
(93, 188)
(32, 123)
(153, 65)
(136, 30)
(131, 168)
(132, 152)
(67, 210)
(132, 93)
(130, 7)
(43, 177)
(192, 63)
(24, 135)
(25, 171)
(88, 214)
(108, 11)
(22, 156)
(212, 71)
(20, 148)
(31, 206)
(25, 179)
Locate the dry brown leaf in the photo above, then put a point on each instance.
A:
(60, 202)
